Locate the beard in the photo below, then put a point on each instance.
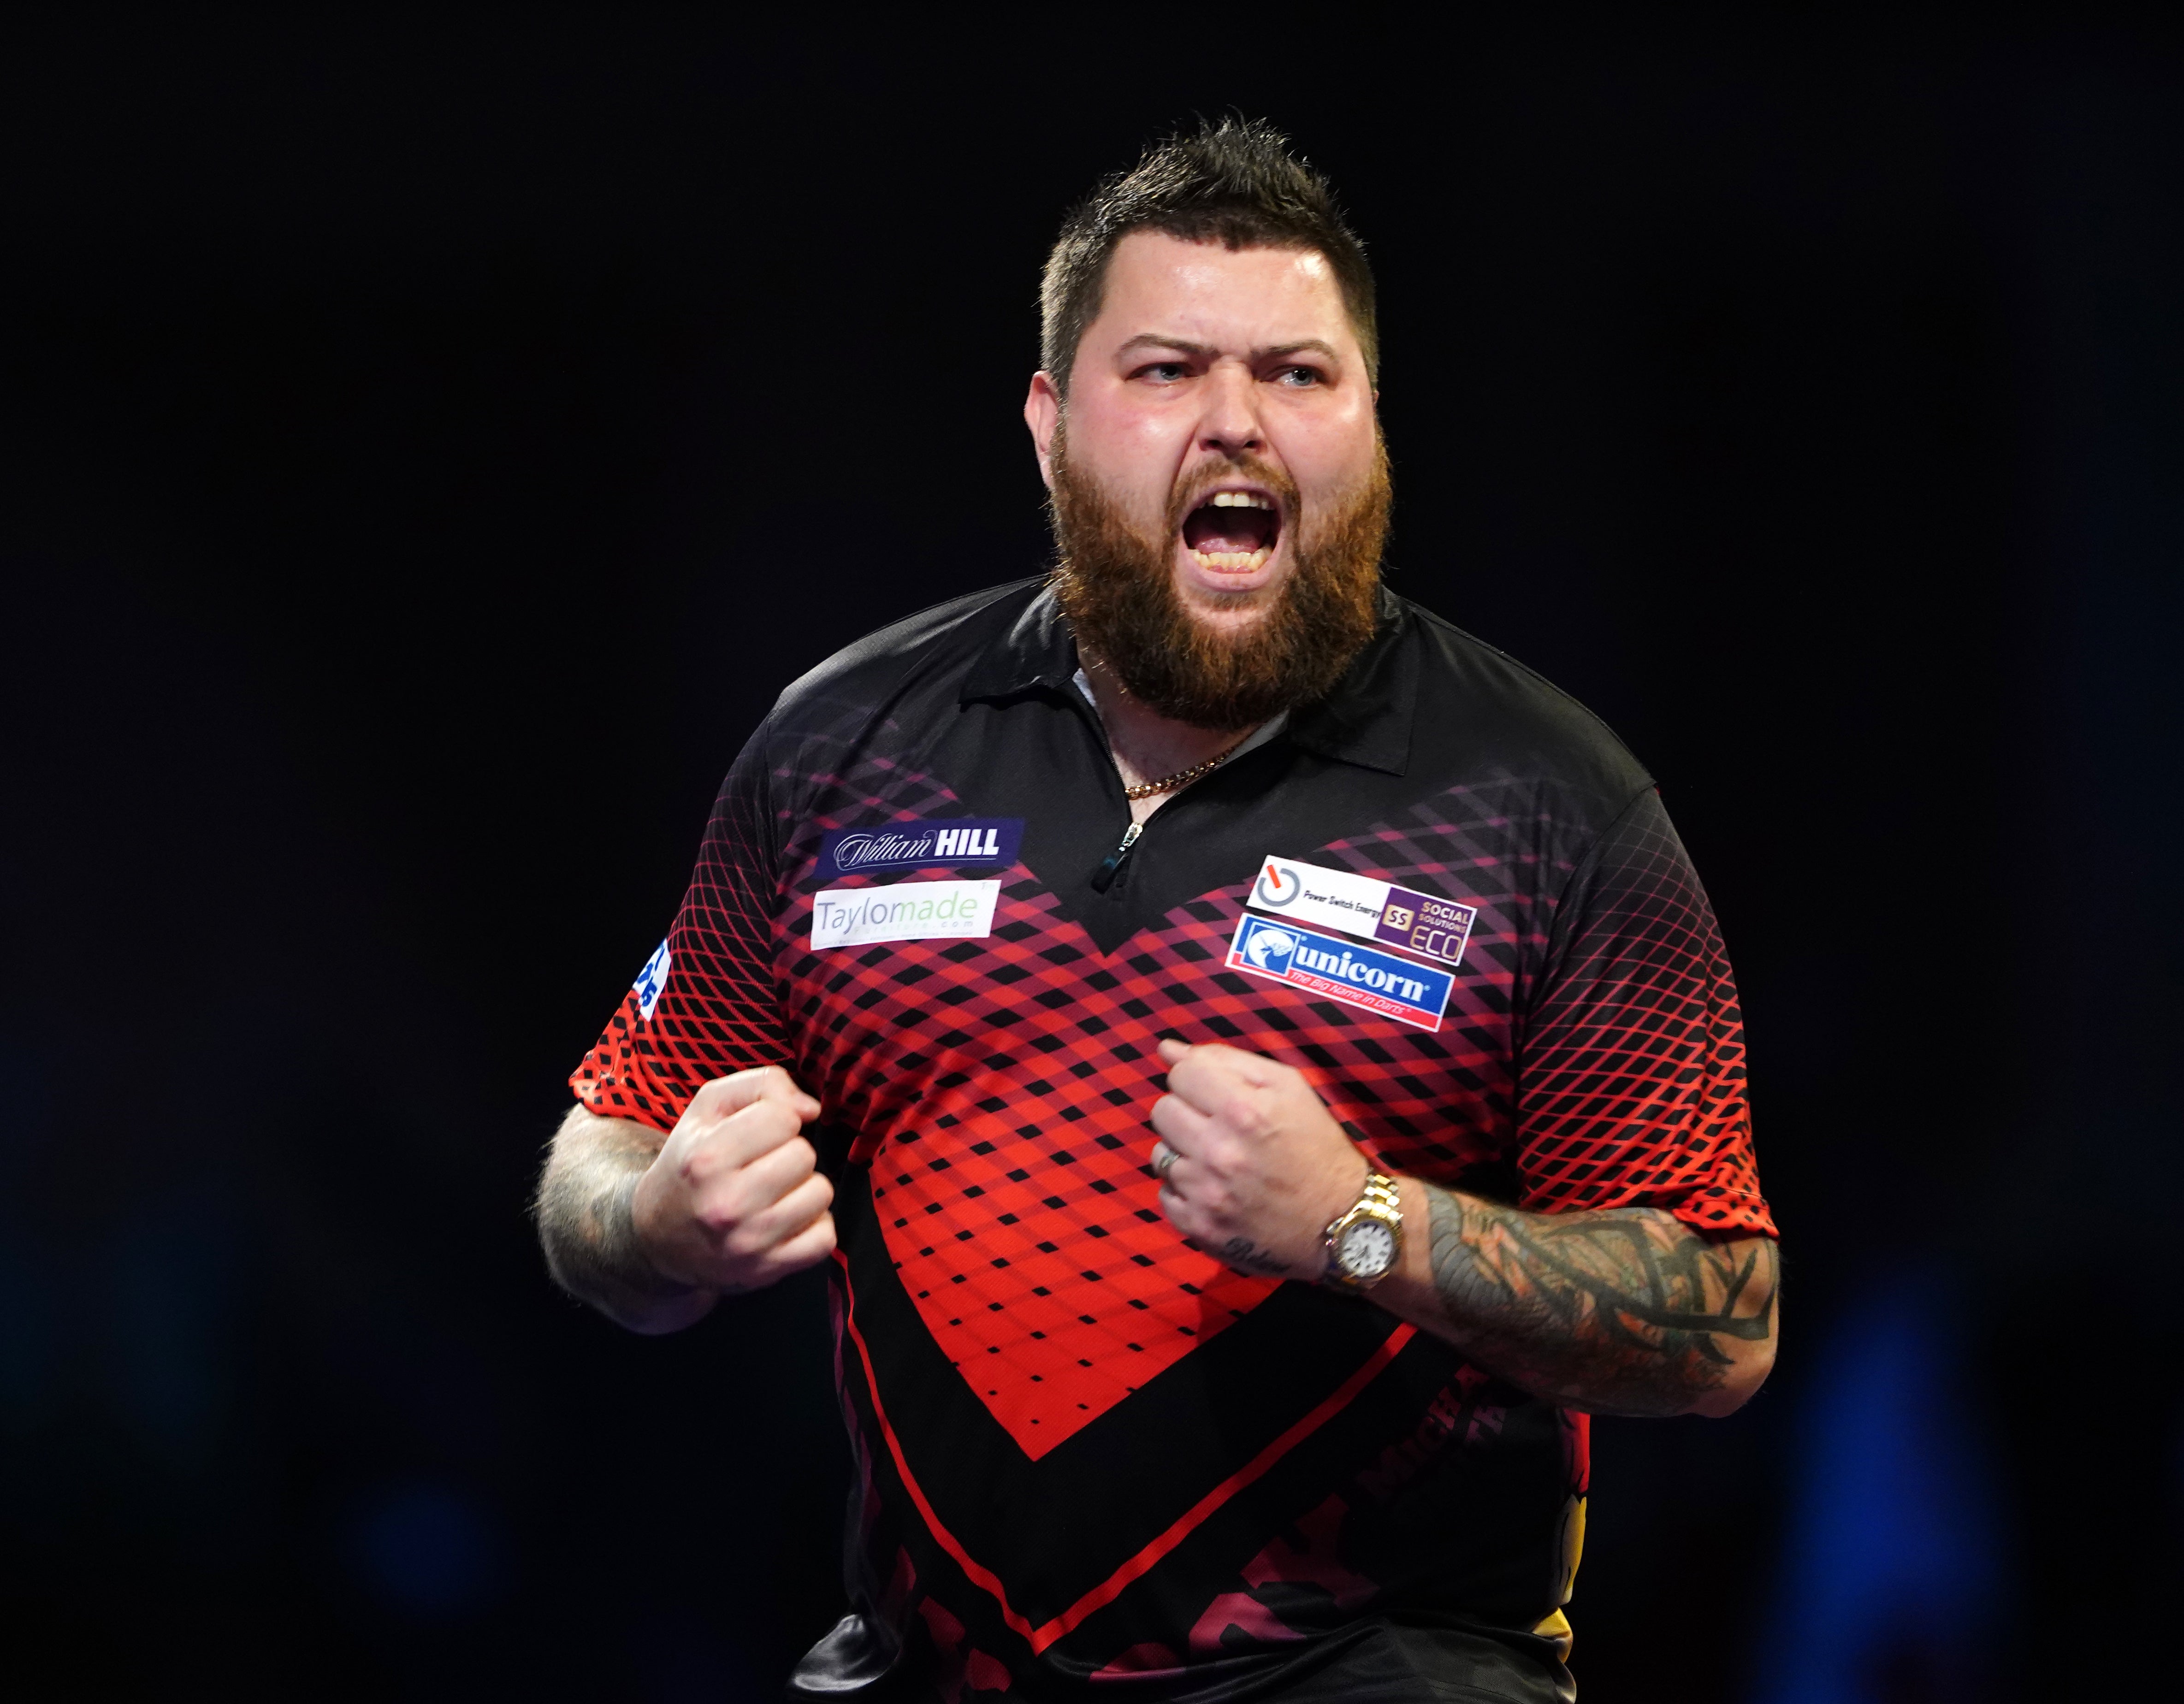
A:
(1117, 586)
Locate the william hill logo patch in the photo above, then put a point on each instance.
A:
(1338, 970)
(897, 846)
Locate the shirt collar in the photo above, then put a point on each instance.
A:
(1365, 721)
(1036, 651)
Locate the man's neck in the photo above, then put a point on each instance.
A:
(1147, 746)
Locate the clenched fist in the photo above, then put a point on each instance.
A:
(734, 1200)
(1253, 1166)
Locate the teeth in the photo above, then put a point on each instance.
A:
(1240, 499)
(1235, 561)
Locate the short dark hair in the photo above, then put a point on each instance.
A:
(1234, 182)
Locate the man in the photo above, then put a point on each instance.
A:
(1287, 1397)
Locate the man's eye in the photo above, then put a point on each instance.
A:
(1300, 376)
(1166, 371)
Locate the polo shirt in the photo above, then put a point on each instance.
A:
(1090, 1459)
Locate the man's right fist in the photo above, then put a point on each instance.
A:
(734, 1201)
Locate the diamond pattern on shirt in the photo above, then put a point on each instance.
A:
(1000, 1086)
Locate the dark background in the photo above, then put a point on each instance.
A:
(428, 444)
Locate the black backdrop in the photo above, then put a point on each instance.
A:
(426, 447)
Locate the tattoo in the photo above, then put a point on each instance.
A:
(1626, 1311)
(585, 1223)
(1242, 1251)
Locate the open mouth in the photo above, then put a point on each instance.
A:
(1233, 532)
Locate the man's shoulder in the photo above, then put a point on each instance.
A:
(1478, 706)
(935, 643)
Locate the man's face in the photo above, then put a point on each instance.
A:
(1220, 403)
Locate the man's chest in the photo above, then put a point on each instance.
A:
(957, 946)
(995, 1061)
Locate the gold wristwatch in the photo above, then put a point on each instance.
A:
(1364, 1244)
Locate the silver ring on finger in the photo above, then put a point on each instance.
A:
(1163, 1157)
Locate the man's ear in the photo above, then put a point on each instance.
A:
(1042, 414)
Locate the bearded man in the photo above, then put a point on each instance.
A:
(1287, 1396)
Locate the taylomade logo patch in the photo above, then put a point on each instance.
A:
(920, 845)
(1376, 982)
(903, 911)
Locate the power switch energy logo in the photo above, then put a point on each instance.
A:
(1359, 905)
(1376, 982)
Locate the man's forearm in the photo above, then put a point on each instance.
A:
(1627, 1312)
(586, 1228)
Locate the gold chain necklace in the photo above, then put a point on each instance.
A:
(1169, 783)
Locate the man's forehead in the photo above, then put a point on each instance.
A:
(1161, 284)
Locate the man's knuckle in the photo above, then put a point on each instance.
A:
(718, 1221)
(770, 1116)
(745, 1242)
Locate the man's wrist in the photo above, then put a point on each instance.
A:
(1363, 1244)
(623, 1250)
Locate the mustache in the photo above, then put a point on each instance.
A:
(1194, 485)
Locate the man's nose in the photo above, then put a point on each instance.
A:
(1231, 425)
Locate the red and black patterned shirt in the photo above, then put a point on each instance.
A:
(1090, 1459)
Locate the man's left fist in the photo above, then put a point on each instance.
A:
(1252, 1165)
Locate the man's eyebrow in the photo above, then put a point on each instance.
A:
(1156, 340)
(1153, 340)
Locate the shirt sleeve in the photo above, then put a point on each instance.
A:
(706, 1006)
(1630, 1073)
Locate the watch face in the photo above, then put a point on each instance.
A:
(1367, 1250)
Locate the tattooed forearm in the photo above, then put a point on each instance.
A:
(583, 1213)
(1246, 1256)
(1623, 1312)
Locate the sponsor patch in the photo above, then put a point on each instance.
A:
(903, 911)
(897, 846)
(1282, 952)
(651, 980)
(1361, 906)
